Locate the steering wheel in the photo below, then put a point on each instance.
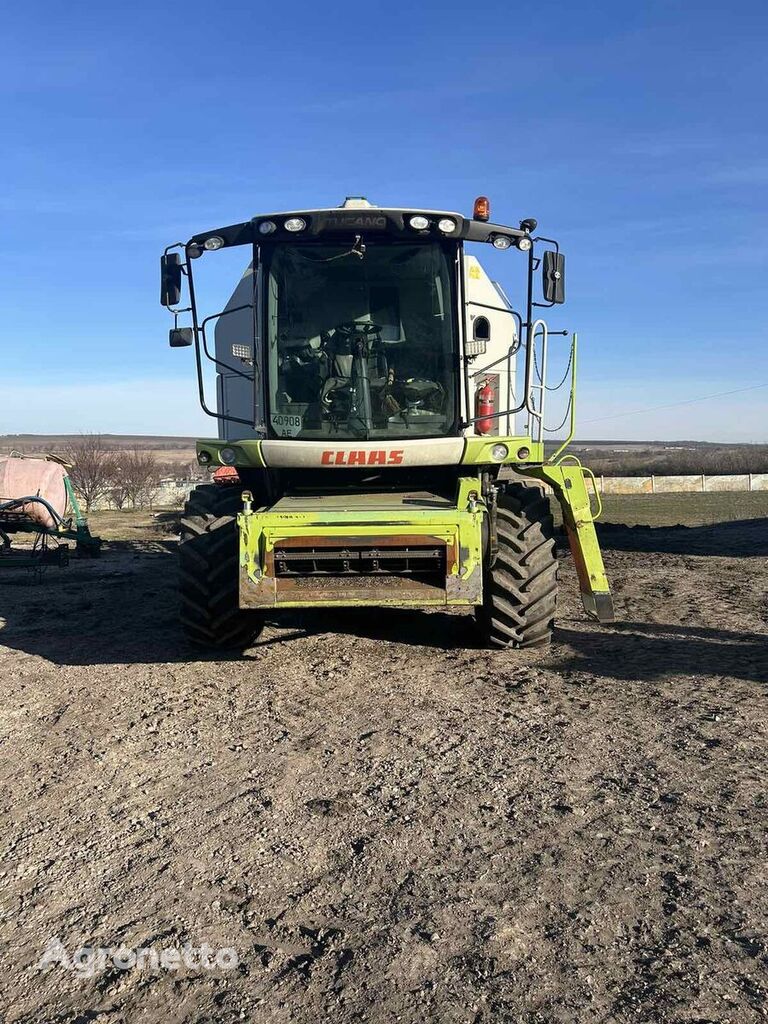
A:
(351, 327)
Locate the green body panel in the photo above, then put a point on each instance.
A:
(458, 526)
(569, 484)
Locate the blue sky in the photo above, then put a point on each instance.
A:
(636, 134)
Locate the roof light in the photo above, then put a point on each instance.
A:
(295, 224)
(482, 208)
(419, 223)
(267, 227)
(447, 225)
(214, 242)
(503, 242)
(524, 243)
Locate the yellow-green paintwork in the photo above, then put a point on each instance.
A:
(569, 485)
(260, 529)
(248, 452)
(460, 527)
(477, 451)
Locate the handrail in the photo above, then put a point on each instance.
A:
(533, 413)
(572, 403)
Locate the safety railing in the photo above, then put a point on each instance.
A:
(536, 384)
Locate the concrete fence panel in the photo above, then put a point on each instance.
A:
(625, 484)
(734, 482)
(680, 484)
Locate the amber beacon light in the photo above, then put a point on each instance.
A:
(482, 208)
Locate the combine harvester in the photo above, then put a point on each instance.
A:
(36, 496)
(368, 398)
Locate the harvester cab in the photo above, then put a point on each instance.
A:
(383, 405)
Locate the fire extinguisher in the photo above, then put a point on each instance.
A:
(484, 408)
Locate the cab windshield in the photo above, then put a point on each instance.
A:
(361, 341)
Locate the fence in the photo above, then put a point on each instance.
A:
(700, 483)
(174, 492)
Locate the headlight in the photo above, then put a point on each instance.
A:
(523, 453)
(524, 243)
(499, 452)
(203, 458)
(502, 242)
(295, 224)
(419, 223)
(267, 227)
(446, 225)
(228, 456)
(214, 242)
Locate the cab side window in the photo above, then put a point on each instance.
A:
(481, 329)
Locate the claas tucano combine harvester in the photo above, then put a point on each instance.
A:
(381, 409)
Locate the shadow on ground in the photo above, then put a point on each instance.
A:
(639, 650)
(122, 609)
(738, 539)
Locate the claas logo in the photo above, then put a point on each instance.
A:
(379, 457)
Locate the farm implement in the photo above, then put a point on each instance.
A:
(38, 501)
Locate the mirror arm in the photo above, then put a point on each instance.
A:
(213, 359)
(199, 361)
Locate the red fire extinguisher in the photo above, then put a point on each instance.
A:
(484, 408)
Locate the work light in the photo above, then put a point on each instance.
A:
(503, 242)
(419, 223)
(267, 227)
(524, 243)
(446, 225)
(295, 224)
(214, 242)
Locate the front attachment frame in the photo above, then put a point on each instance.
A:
(567, 479)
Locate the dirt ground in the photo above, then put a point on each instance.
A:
(383, 821)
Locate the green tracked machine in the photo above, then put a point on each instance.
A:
(381, 411)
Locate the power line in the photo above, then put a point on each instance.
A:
(674, 405)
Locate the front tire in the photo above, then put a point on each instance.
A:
(209, 570)
(520, 588)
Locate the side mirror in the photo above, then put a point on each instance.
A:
(180, 337)
(170, 279)
(553, 277)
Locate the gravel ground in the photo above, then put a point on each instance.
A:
(382, 821)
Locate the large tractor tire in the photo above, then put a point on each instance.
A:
(520, 587)
(209, 570)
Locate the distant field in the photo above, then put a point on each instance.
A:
(180, 451)
(684, 509)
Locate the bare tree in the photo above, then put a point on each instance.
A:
(92, 467)
(139, 477)
(118, 495)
